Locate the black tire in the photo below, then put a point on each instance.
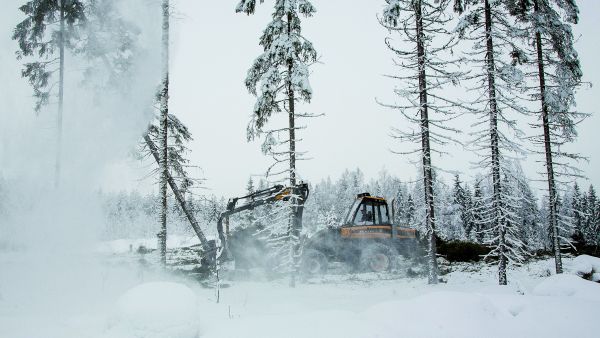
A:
(314, 262)
(378, 257)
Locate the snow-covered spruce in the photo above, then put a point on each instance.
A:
(279, 80)
(488, 27)
(430, 69)
(555, 75)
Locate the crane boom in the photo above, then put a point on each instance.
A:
(262, 197)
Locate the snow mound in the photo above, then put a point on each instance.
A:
(583, 266)
(565, 285)
(158, 309)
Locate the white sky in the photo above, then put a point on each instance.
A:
(214, 47)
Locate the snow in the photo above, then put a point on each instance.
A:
(120, 246)
(565, 285)
(583, 265)
(121, 303)
(157, 309)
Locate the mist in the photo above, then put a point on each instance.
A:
(49, 233)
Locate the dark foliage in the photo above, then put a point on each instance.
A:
(459, 251)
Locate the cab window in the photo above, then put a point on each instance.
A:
(365, 214)
(384, 214)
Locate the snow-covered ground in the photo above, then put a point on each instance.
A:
(120, 246)
(83, 296)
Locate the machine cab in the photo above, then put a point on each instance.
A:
(369, 217)
(367, 210)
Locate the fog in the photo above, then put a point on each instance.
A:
(49, 233)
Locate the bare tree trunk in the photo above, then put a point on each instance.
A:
(426, 147)
(293, 230)
(548, 150)
(61, 88)
(494, 143)
(179, 197)
(164, 112)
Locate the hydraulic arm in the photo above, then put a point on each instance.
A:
(258, 198)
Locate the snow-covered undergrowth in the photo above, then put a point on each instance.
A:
(128, 301)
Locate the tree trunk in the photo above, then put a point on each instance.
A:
(179, 197)
(293, 231)
(164, 112)
(426, 147)
(61, 88)
(548, 151)
(494, 144)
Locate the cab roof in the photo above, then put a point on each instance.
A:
(366, 195)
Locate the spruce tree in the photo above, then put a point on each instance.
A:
(497, 80)
(591, 216)
(50, 25)
(250, 218)
(531, 224)
(279, 80)
(410, 210)
(478, 210)
(461, 206)
(577, 215)
(557, 75)
(420, 23)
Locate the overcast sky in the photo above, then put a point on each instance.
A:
(212, 48)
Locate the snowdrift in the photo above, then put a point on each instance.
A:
(584, 266)
(158, 309)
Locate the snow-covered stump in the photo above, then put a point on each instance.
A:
(157, 309)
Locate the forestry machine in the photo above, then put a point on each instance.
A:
(242, 245)
(366, 240)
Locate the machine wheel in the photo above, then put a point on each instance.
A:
(378, 257)
(314, 262)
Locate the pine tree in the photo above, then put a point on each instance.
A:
(498, 81)
(49, 25)
(420, 23)
(279, 80)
